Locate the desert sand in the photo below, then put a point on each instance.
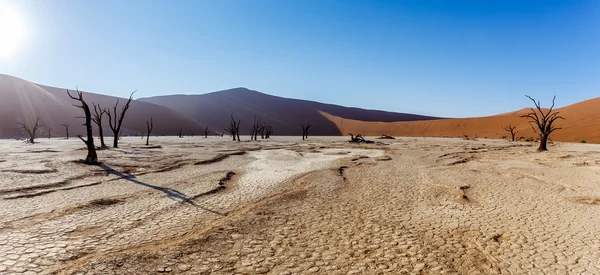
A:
(403, 206)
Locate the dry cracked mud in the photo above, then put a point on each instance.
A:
(410, 206)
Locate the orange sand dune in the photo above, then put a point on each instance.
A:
(582, 122)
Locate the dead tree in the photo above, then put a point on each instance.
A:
(206, 132)
(115, 120)
(544, 122)
(92, 157)
(180, 133)
(97, 118)
(358, 139)
(257, 127)
(234, 128)
(268, 130)
(30, 130)
(49, 132)
(149, 126)
(66, 125)
(511, 129)
(305, 130)
(384, 136)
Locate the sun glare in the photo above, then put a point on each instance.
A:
(11, 30)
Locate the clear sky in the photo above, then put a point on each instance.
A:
(444, 58)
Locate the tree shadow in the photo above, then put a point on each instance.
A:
(170, 192)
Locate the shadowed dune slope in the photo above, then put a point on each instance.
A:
(22, 101)
(582, 122)
(284, 114)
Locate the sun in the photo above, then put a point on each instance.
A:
(11, 30)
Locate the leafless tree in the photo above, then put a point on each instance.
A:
(512, 130)
(149, 126)
(267, 131)
(257, 127)
(92, 157)
(234, 128)
(180, 133)
(305, 130)
(49, 132)
(97, 118)
(115, 120)
(66, 125)
(544, 122)
(206, 132)
(30, 130)
(358, 139)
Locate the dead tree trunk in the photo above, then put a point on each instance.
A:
(511, 129)
(30, 130)
(180, 133)
(49, 132)
(66, 129)
(268, 130)
(543, 122)
(97, 118)
(234, 128)
(305, 130)
(92, 157)
(115, 120)
(149, 126)
(206, 132)
(257, 126)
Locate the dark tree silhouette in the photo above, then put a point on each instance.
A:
(30, 130)
(92, 157)
(180, 133)
(257, 127)
(149, 126)
(305, 130)
(66, 125)
(97, 118)
(511, 129)
(268, 130)
(544, 121)
(49, 132)
(234, 128)
(206, 132)
(115, 120)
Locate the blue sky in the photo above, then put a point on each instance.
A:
(444, 58)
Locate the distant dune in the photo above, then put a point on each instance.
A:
(22, 101)
(285, 114)
(582, 123)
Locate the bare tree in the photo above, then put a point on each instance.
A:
(511, 129)
(49, 132)
(305, 130)
(115, 120)
(206, 132)
(257, 127)
(97, 118)
(31, 129)
(234, 128)
(66, 125)
(544, 121)
(149, 126)
(92, 157)
(180, 133)
(268, 130)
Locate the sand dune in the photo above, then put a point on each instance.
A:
(23, 101)
(582, 122)
(285, 114)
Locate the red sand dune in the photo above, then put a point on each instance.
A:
(22, 101)
(582, 122)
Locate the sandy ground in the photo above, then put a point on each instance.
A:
(404, 206)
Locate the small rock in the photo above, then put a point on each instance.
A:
(184, 267)
(314, 269)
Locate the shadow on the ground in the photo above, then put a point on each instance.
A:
(170, 192)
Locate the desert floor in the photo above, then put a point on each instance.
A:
(409, 205)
